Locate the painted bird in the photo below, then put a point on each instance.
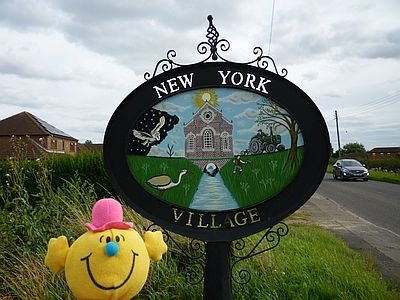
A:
(153, 136)
(164, 182)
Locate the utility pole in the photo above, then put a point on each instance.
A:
(337, 131)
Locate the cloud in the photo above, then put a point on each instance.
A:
(248, 113)
(240, 97)
(252, 129)
(170, 107)
(29, 14)
(65, 60)
(157, 151)
(256, 127)
(310, 75)
(241, 142)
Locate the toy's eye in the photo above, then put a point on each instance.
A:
(117, 239)
(108, 239)
(101, 238)
(123, 237)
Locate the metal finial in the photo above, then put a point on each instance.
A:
(212, 35)
(210, 49)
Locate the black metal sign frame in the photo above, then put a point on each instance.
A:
(217, 225)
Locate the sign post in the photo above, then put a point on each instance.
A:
(217, 279)
(217, 151)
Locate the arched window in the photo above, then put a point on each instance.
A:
(208, 139)
(190, 142)
(224, 141)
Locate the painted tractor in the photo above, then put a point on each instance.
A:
(262, 142)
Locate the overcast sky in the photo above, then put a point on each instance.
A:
(71, 62)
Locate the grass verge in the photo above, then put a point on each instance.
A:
(309, 263)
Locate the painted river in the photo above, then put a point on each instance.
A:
(212, 194)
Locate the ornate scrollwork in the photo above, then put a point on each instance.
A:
(272, 236)
(194, 272)
(211, 48)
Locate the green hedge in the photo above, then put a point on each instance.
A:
(389, 164)
(59, 168)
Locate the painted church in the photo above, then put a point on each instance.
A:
(208, 134)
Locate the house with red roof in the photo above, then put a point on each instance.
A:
(27, 135)
(383, 152)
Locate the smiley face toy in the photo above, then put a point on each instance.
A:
(111, 260)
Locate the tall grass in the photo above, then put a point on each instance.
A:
(309, 263)
(89, 166)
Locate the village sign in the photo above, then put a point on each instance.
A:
(216, 150)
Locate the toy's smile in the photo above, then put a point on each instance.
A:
(111, 287)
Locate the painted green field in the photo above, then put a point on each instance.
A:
(261, 179)
(145, 167)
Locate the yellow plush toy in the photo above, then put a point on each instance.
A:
(111, 260)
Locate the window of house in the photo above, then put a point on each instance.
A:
(190, 142)
(224, 141)
(208, 139)
(63, 145)
(72, 147)
(53, 144)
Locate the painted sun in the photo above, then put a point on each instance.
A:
(205, 96)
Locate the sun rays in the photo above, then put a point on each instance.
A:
(205, 95)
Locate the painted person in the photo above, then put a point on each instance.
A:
(237, 164)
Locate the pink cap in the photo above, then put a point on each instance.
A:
(106, 214)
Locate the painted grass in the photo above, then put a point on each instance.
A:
(145, 167)
(261, 179)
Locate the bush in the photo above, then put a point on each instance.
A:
(388, 164)
(58, 170)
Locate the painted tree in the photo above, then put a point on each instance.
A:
(273, 116)
(170, 152)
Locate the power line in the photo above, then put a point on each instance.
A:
(375, 105)
(272, 23)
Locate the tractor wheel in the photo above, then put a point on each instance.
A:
(281, 147)
(255, 146)
(270, 148)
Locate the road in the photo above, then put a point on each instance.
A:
(364, 214)
(374, 201)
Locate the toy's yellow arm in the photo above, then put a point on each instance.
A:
(155, 244)
(56, 254)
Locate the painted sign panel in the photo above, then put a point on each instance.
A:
(216, 151)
